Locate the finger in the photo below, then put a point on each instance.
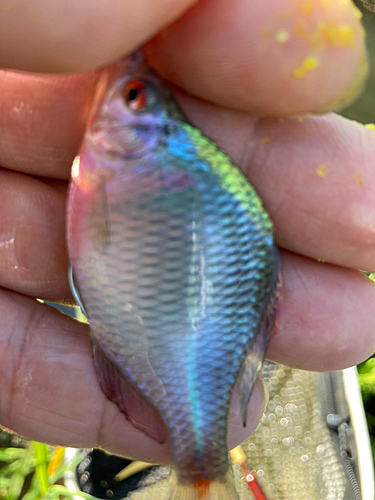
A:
(42, 120)
(327, 217)
(33, 254)
(314, 174)
(70, 36)
(266, 57)
(33, 260)
(46, 367)
(326, 321)
(269, 57)
(46, 362)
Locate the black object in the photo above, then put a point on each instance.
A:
(96, 472)
(10, 440)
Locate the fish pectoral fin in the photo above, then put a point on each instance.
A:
(248, 376)
(222, 488)
(119, 389)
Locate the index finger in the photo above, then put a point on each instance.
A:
(66, 35)
(266, 57)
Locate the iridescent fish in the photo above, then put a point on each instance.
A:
(175, 265)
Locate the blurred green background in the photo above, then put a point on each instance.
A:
(363, 110)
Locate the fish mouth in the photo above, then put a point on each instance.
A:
(123, 140)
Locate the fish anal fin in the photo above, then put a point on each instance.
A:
(248, 376)
(253, 362)
(142, 414)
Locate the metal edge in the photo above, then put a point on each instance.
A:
(359, 425)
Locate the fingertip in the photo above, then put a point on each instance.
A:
(69, 36)
(266, 57)
(327, 322)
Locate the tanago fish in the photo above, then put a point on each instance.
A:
(175, 265)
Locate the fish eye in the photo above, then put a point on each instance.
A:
(137, 95)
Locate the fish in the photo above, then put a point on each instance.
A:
(175, 265)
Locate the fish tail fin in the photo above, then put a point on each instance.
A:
(203, 489)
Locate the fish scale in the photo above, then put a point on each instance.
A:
(175, 264)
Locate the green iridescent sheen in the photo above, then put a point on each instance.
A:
(230, 176)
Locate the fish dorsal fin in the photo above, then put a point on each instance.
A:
(253, 363)
(118, 388)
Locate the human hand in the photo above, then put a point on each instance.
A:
(314, 174)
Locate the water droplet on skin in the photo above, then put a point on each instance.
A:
(7, 240)
(22, 250)
(7, 250)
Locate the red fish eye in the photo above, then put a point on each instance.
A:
(135, 95)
